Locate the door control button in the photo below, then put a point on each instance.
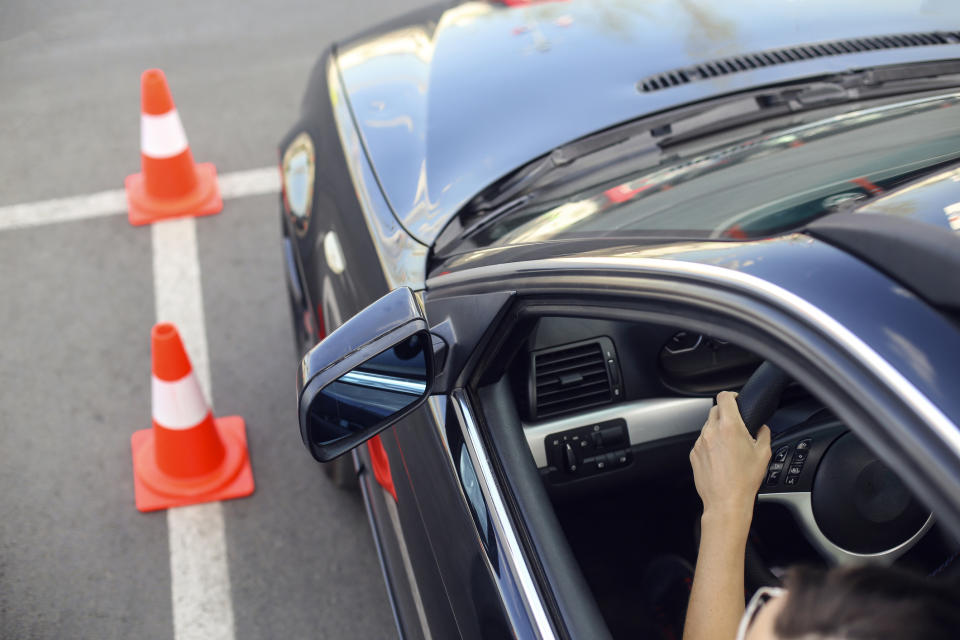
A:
(611, 435)
(570, 458)
(591, 449)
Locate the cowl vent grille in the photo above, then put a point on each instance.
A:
(772, 57)
(571, 378)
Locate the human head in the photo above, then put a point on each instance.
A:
(860, 603)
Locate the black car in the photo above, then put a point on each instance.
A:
(541, 238)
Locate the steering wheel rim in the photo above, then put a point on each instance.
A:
(760, 396)
(758, 401)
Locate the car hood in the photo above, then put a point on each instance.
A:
(450, 101)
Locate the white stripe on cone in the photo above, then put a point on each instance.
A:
(180, 404)
(162, 136)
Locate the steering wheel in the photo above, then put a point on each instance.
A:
(848, 504)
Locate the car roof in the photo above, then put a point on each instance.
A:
(449, 102)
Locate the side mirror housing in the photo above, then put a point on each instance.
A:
(372, 371)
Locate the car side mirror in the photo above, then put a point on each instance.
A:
(372, 371)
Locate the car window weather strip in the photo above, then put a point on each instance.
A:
(532, 601)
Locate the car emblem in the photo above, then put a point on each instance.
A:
(298, 172)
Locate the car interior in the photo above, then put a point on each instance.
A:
(609, 409)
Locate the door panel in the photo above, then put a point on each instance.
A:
(451, 534)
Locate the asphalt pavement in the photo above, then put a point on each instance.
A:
(77, 303)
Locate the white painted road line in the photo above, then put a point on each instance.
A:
(238, 184)
(199, 574)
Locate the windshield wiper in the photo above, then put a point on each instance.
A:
(867, 84)
(518, 188)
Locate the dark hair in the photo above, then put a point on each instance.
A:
(867, 603)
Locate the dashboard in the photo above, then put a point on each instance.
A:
(602, 399)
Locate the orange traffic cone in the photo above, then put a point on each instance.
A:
(170, 184)
(188, 456)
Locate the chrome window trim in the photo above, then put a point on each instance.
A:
(501, 521)
(773, 294)
(800, 503)
(495, 552)
(647, 421)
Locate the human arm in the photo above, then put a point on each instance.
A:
(728, 468)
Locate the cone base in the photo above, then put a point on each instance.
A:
(154, 490)
(204, 200)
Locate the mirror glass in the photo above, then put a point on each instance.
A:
(368, 396)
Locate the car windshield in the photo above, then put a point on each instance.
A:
(757, 186)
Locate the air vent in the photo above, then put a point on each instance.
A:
(573, 377)
(772, 57)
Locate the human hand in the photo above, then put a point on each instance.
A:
(728, 464)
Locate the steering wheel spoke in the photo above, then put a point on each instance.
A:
(800, 503)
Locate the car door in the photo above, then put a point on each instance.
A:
(876, 353)
(444, 580)
(470, 509)
(450, 502)
(855, 337)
